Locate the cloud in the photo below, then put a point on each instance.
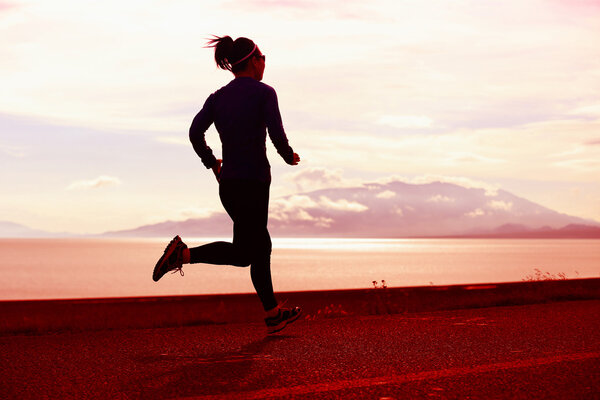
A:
(101, 181)
(314, 178)
(194, 212)
(468, 157)
(476, 213)
(294, 209)
(440, 199)
(593, 142)
(467, 183)
(500, 205)
(293, 202)
(301, 208)
(405, 121)
(297, 202)
(341, 205)
(388, 194)
(490, 190)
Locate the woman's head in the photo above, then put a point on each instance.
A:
(238, 56)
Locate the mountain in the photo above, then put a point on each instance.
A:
(12, 230)
(571, 231)
(394, 209)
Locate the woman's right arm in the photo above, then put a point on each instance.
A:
(275, 127)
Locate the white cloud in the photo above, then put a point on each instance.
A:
(460, 157)
(298, 208)
(194, 212)
(468, 183)
(388, 194)
(314, 178)
(289, 211)
(101, 181)
(293, 202)
(500, 205)
(440, 199)
(476, 213)
(341, 205)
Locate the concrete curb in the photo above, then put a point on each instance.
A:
(39, 316)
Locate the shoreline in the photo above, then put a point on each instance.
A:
(42, 316)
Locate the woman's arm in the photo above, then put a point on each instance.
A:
(275, 127)
(200, 125)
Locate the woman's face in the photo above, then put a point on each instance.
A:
(258, 63)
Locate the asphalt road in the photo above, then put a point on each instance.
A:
(548, 351)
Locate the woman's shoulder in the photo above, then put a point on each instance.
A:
(269, 92)
(261, 86)
(241, 85)
(266, 92)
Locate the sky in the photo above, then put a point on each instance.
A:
(97, 99)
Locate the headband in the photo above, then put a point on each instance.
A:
(237, 62)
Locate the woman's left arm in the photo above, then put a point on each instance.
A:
(200, 125)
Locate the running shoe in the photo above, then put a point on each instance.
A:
(284, 317)
(171, 260)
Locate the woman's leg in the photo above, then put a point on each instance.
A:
(260, 267)
(234, 198)
(247, 203)
(218, 253)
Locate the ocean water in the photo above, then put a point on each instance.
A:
(91, 268)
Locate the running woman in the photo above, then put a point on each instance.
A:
(242, 111)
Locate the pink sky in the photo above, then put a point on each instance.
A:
(98, 99)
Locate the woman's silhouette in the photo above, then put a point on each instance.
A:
(242, 111)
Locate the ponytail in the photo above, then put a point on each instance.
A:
(223, 49)
(232, 55)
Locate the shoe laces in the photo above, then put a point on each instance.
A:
(178, 269)
(283, 303)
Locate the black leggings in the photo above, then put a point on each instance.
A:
(247, 203)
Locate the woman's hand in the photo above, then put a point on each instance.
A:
(217, 169)
(296, 159)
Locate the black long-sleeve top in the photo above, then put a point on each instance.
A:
(242, 111)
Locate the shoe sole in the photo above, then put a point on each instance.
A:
(283, 324)
(156, 274)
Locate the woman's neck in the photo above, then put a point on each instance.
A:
(245, 74)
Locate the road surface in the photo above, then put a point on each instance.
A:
(549, 351)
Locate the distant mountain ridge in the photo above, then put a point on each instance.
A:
(380, 210)
(12, 230)
(571, 231)
(394, 210)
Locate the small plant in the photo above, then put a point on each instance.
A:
(376, 285)
(380, 301)
(544, 276)
(330, 311)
